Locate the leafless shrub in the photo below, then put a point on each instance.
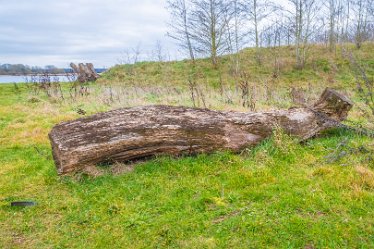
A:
(270, 90)
(364, 82)
(77, 88)
(192, 87)
(197, 95)
(252, 98)
(158, 53)
(248, 94)
(276, 65)
(47, 83)
(220, 80)
(130, 56)
(229, 97)
(244, 87)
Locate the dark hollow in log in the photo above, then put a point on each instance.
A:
(140, 132)
(85, 72)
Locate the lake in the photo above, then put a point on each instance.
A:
(22, 79)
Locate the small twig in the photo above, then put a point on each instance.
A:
(41, 153)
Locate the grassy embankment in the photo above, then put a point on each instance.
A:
(278, 195)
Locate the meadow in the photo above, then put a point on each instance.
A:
(280, 194)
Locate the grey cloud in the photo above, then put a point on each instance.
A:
(41, 32)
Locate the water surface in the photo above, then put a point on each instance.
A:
(23, 79)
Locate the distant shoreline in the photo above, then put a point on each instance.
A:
(35, 74)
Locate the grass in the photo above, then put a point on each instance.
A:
(322, 68)
(281, 194)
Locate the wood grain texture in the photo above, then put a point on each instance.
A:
(140, 132)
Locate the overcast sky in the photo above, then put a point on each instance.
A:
(44, 32)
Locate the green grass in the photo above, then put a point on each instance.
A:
(322, 68)
(280, 194)
(267, 198)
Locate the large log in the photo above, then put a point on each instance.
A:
(140, 132)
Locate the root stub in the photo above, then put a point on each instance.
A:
(140, 132)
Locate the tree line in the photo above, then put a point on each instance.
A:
(20, 69)
(215, 27)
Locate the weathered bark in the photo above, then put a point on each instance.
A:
(86, 72)
(140, 132)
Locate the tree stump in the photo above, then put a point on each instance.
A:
(85, 72)
(140, 132)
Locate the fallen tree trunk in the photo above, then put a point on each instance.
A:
(140, 132)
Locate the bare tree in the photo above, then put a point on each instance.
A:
(342, 13)
(257, 11)
(215, 27)
(371, 9)
(181, 25)
(130, 56)
(332, 6)
(236, 35)
(333, 18)
(209, 25)
(361, 10)
(304, 15)
(235, 24)
(275, 34)
(159, 52)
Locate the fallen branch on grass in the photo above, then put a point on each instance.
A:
(141, 132)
